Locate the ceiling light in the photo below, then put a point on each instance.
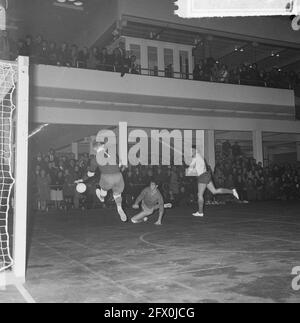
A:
(78, 3)
(241, 49)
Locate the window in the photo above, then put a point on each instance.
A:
(169, 61)
(153, 61)
(184, 64)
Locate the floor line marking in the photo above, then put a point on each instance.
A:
(25, 294)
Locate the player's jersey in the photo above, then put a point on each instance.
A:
(106, 169)
(198, 163)
(151, 200)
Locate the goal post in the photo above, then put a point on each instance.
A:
(14, 118)
(21, 169)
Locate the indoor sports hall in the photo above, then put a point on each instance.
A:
(152, 94)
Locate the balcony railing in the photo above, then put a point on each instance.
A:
(183, 75)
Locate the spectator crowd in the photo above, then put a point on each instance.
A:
(210, 70)
(42, 51)
(52, 181)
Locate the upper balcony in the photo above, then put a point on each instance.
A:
(62, 87)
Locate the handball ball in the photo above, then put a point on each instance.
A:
(81, 188)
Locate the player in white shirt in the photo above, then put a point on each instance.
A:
(198, 168)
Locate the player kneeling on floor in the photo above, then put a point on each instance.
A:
(152, 200)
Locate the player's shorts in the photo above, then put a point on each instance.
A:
(114, 182)
(146, 209)
(205, 178)
(56, 195)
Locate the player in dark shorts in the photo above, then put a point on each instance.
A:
(111, 178)
(198, 168)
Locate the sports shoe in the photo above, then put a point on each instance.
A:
(235, 194)
(122, 214)
(198, 214)
(100, 197)
(157, 223)
(168, 206)
(145, 219)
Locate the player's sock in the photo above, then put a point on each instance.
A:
(118, 200)
(101, 194)
(235, 194)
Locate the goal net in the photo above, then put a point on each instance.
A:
(14, 85)
(8, 76)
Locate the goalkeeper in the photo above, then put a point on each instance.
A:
(152, 200)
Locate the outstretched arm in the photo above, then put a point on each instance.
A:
(140, 198)
(161, 210)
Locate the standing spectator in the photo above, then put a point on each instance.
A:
(37, 48)
(223, 74)
(68, 187)
(234, 76)
(4, 45)
(226, 148)
(74, 56)
(241, 188)
(43, 57)
(43, 187)
(21, 49)
(134, 67)
(197, 73)
(53, 58)
(119, 57)
(236, 150)
(28, 46)
(103, 60)
(57, 184)
(93, 62)
(63, 55)
(83, 57)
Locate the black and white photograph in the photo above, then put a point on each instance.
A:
(149, 154)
